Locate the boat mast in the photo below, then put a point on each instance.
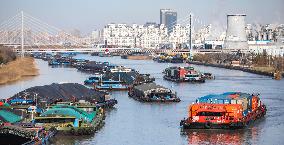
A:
(190, 36)
(190, 32)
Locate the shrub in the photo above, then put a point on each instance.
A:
(6, 55)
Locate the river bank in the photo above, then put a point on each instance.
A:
(17, 70)
(264, 71)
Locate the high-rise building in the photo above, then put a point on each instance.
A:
(122, 35)
(168, 17)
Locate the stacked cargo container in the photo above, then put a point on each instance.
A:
(249, 102)
(231, 109)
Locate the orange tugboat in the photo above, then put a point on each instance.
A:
(231, 110)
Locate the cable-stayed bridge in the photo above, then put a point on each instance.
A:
(23, 30)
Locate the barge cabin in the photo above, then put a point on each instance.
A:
(183, 74)
(111, 85)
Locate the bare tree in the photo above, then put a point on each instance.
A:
(6, 55)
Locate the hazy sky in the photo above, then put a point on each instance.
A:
(87, 15)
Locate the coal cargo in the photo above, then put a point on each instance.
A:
(61, 92)
(151, 92)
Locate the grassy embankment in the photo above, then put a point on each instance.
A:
(264, 69)
(18, 69)
(14, 68)
(255, 62)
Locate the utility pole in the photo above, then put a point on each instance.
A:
(22, 32)
(190, 33)
(190, 37)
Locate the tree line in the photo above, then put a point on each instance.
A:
(249, 59)
(6, 55)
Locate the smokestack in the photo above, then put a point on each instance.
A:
(236, 35)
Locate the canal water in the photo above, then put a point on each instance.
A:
(136, 123)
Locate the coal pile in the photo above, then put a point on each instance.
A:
(93, 66)
(63, 92)
(143, 79)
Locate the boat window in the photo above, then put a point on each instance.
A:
(54, 120)
(161, 95)
(111, 82)
(191, 75)
(210, 114)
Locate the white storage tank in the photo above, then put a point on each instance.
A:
(236, 34)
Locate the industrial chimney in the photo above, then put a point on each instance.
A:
(236, 35)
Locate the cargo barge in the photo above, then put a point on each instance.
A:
(171, 58)
(143, 78)
(95, 67)
(89, 106)
(111, 85)
(183, 74)
(27, 135)
(231, 110)
(137, 56)
(93, 79)
(71, 120)
(78, 62)
(105, 54)
(60, 61)
(14, 132)
(152, 92)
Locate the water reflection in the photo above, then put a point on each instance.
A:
(68, 140)
(217, 136)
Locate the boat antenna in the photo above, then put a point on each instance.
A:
(36, 96)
